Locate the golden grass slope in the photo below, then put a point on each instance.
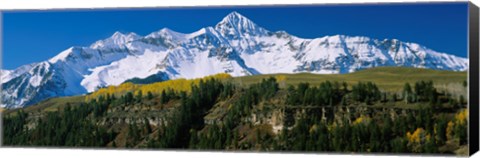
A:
(387, 78)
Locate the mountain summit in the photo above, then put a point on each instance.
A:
(235, 45)
(236, 25)
(117, 39)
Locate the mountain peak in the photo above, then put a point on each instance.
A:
(120, 35)
(167, 33)
(117, 39)
(62, 56)
(234, 15)
(117, 34)
(235, 19)
(235, 24)
(165, 29)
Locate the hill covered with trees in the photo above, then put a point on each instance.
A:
(269, 113)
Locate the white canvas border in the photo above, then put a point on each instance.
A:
(84, 153)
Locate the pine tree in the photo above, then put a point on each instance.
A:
(384, 97)
(193, 139)
(430, 146)
(139, 96)
(288, 117)
(148, 129)
(407, 91)
(163, 97)
(462, 100)
(149, 95)
(399, 145)
(129, 98)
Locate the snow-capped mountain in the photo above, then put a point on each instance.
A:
(235, 45)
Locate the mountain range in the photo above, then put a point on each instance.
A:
(235, 45)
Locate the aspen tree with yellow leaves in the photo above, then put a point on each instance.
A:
(417, 139)
(154, 88)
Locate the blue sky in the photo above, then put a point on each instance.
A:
(33, 36)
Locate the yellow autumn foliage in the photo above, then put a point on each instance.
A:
(313, 129)
(155, 88)
(115, 90)
(419, 136)
(332, 126)
(461, 117)
(450, 127)
(281, 78)
(362, 119)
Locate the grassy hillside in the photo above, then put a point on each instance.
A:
(49, 105)
(387, 78)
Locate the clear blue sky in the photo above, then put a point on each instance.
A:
(32, 36)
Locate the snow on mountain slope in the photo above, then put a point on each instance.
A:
(170, 36)
(22, 90)
(235, 45)
(118, 71)
(117, 40)
(203, 55)
(7, 75)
